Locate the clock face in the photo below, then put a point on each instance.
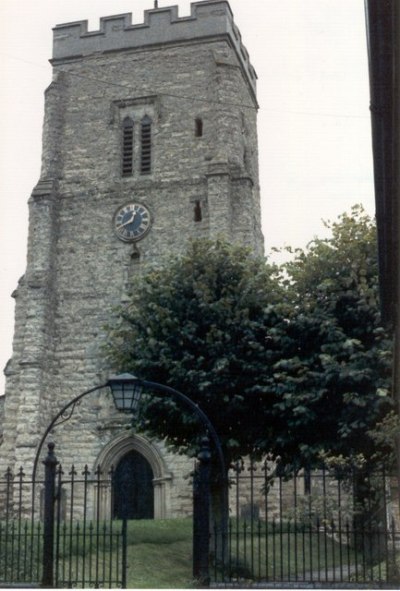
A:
(132, 221)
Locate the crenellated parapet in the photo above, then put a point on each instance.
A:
(208, 19)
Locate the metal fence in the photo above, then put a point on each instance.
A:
(21, 536)
(88, 551)
(62, 530)
(320, 528)
(308, 527)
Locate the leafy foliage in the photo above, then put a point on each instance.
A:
(293, 361)
(333, 380)
(207, 325)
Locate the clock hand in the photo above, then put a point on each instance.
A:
(131, 219)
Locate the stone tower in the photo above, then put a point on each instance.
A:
(149, 139)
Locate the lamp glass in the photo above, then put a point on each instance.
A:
(127, 391)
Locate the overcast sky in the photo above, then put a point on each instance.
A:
(314, 124)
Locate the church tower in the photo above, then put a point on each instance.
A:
(149, 139)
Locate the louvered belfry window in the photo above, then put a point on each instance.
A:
(127, 147)
(145, 145)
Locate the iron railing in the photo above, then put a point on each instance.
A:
(89, 547)
(308, 527)
(21, 536)
(317, 527)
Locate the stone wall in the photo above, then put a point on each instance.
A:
(78, 269)
(2, 399)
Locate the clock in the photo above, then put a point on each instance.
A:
(132, 222)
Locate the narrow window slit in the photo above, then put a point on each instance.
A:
(198, 216)
(198, 127)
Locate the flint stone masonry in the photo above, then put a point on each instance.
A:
(174, 70)
(160, 26)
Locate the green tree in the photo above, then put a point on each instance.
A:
(209, 324)
(293, 362)
(333, 379)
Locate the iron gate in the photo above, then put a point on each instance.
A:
(316, 528)
(63, 531)
(81, 548)
(308, 528)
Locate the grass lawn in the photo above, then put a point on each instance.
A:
(160, 554)
(284, 556)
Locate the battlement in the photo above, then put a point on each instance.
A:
(208, 18)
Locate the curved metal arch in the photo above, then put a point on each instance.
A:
(195, 407)
(60, 418)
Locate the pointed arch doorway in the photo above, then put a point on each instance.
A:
(140, 483)
(133, 491)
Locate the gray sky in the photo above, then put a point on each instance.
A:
(314, 124)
